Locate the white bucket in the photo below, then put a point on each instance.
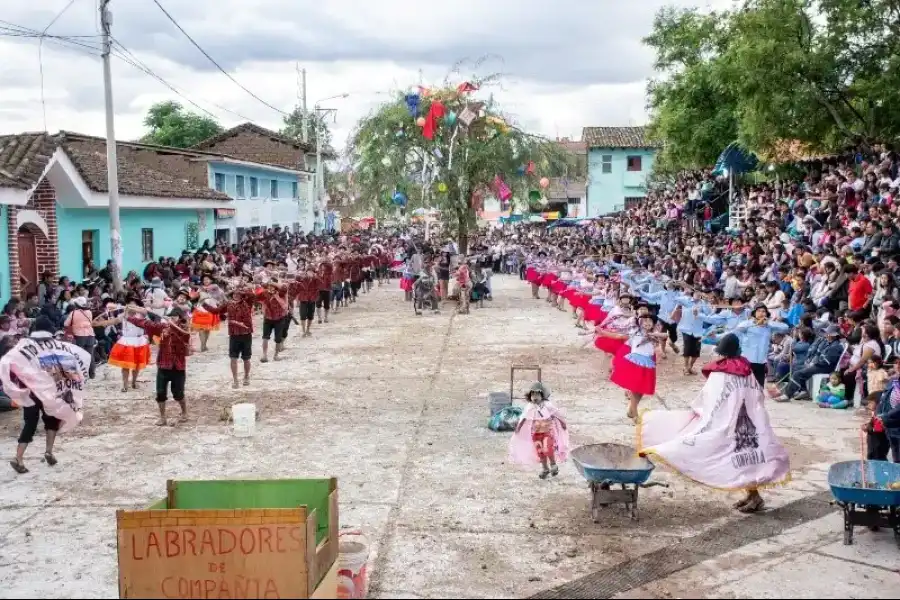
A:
(353, 556)
(244, 417)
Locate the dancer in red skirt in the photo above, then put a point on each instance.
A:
(634, 366)
(533, 275)
(614, 329)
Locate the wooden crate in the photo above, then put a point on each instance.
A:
(247, 551)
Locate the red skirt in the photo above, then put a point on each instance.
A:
(580, 300)
(633, 377)
(406, 284)
(569, 294)
(205, 321)
(532, 276)
(594, 313)
(608, 345)
(548, 279)
(129, 357)
(558, 287)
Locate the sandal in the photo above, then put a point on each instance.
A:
(51, 460)
(264, 359)
(246, 381)
(18, 467)
(544, 474)
(554, 471)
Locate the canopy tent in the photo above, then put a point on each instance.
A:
(735, 159)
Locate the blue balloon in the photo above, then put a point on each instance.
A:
(399, 198)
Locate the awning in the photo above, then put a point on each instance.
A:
(225, 213)
(735, 159)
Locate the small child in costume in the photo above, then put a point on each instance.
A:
(832, 393)
(542, 436)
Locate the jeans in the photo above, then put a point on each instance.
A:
(800, 377)
(87, 343)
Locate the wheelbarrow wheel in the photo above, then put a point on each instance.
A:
(848, 524)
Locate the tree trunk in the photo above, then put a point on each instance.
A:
(463, 234)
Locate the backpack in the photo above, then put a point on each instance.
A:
(506, 419)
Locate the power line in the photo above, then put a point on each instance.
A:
(41, 56)
(213, 61)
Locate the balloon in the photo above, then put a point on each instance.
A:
(442, 187)
(386, 161)
(420, 121)
(399, 198)
(545, 182)
(450, 119)
(398, 133)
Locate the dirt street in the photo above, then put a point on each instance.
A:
(395, 407)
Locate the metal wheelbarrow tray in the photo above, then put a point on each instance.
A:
(872, 506)
(605, 465)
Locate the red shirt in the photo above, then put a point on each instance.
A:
(355, 269)
(325, 276)
(859, 291)
(239, 314)
(306, 289)
(174, 344)
(340, 271)
(275, 304)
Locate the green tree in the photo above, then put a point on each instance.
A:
(171, 125)
(293, 127)
(826, 73)
(389, 152)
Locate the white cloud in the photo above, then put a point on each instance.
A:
(569, 63)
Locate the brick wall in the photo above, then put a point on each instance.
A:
(177, 165)
(255, 147)
(43, 201)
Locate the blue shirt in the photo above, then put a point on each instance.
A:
(755, 339)
(666, 300)
(690, 323)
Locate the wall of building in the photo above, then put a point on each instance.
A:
(169, 228)
(5, 283)
(263, 210)
(607, 191)
(42, 206)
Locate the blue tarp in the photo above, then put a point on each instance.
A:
(735, 159)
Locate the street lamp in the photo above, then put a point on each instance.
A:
(320, 172)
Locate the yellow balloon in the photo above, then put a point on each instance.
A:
(442, 187)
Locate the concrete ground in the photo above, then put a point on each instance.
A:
(395, 406)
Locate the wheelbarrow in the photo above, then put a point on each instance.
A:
(605, 465)
(863, 489)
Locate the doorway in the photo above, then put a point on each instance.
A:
(28, 272)
(90, 241)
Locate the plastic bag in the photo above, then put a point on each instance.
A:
(506, 419)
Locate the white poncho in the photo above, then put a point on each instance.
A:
(52, 371)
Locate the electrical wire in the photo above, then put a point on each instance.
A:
(213, 61)
(41, 57)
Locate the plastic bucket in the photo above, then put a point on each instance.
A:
(353, 556)
(244, 418)
(497, 401)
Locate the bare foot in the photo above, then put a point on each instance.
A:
(183, 418)
(235, 385)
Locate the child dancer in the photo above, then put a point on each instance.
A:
(131, 353)
(634, 366)
(204, 321)
(613, 330)
(542, 435)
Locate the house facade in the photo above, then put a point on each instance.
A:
(54, 206)
(266, 175)
(620, 160)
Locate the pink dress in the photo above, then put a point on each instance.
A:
(522, 450)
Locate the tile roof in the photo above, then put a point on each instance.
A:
(23, 158)
(251, 128)
(88, 154)
(617, 137)
(561, 188)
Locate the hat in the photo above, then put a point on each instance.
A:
(832, 330)
(539, 387)
(80, 301)
(729, 346)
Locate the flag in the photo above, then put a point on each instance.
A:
(466, 87)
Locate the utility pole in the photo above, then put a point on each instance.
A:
(305, 112)
(112, 171)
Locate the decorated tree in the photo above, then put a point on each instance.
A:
(449, 148)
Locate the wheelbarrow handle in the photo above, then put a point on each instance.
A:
(654, 484)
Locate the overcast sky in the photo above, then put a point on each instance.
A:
(567, 63)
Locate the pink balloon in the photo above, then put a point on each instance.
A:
(544, 182)
(420, 121)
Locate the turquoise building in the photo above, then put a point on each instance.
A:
(620, 161)
(54, 206)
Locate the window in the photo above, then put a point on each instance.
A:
(220, 182)
(223, 236)
(295, 190)
(147, 244)
(632, 201)
(240, 186)
(273, 188)
(240, 230)
(634, 163)
(254, 187)
(606, 163)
